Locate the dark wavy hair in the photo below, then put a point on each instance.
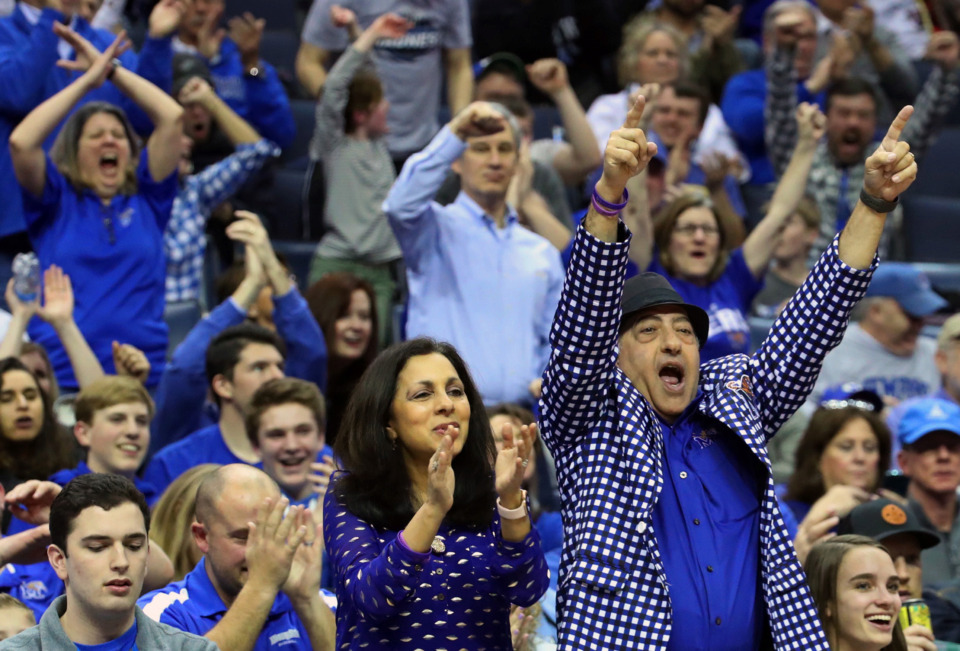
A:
(329, 299)
(51, 450)
(376, 486)
(806, 482)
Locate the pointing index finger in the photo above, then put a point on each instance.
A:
(896, 128)
(632, 120)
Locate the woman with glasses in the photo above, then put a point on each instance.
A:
(688, 248)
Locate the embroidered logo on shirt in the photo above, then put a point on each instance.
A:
(704, 439)
(742, 385)
(126, 217)
(34, 590)
(286, 637)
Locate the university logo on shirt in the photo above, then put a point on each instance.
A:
(34, 590)
(289, 636)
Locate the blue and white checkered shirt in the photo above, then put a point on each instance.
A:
(609, 449)
(185, 240)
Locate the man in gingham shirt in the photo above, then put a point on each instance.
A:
(673, 537)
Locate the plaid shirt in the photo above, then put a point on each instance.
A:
(185, 240)
(826, 177)
(608, 446)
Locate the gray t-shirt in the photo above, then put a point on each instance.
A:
(860, 358)
(410, 67)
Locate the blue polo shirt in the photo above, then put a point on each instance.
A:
(193, 605)
(114, 256)
(707, 524)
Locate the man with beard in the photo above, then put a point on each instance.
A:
(851, 109)
(258, 583)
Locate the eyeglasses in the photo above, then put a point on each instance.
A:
(690, 229)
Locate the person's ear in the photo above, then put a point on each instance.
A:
(58, 560)
(392, 435)
(940, 359)
(200, 537)
(456, 167)
(222, 387)
(82, 433)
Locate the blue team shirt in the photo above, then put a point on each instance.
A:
(193, 605)
(203, 446)
(63, 477)
(114, 256)
(727, 301)
(707, 524)
(126, 642)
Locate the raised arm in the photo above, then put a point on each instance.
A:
(938, 95)
(237, 130)
(163, 146)
(21, 312)
(459, 75)
(57, 310)
(26, 141)
(758, 248)
(329, 129)
(575, 159)
(584, 334)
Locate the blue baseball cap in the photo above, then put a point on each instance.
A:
(909, 286)
(851, 394)
(928, 415)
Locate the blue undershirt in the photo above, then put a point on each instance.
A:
(707, 524)
(126, 642)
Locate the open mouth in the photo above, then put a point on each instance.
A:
(292, 462)
(883, 622)
(24, 422)
(109, 162)
(671, 374)
(129, 448)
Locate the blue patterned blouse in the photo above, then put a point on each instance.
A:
(389, 597)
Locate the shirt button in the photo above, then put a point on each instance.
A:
(441, 597)
(696, 521)
(642, 527)
(710, 569)
(417, 567)
(717, 620)
(439, 570)
(683, 474)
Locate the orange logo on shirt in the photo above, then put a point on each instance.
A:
(893, 514)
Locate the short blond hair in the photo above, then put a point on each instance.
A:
(107, 392)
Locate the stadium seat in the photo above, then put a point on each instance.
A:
(279, 14)
(931, 227)
(295, 156)
(937, 177)
(180, 317)
(278, 47)
(942, 275)
(299, 255)
(545, 118)
(288, 188)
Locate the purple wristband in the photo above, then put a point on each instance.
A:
(598, 200)
(600, 210)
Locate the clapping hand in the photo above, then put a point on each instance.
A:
(512, 460)
(246, 32)
(273, 541)
(342, 17)
(210, 35)
(390, 25)
(166, 17)
(891, 169)
(441, 481)
(303, 581)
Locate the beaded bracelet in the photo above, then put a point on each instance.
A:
(606, 208)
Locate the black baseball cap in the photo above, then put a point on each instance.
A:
(650, 289)
(882, 518)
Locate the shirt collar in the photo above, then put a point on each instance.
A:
(207, 603)
(464, 201)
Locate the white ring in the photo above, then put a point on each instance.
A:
(525, 462)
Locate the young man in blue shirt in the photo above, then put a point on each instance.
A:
(257, 584)
(239, 360)
(285, 424)
(98, 530)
